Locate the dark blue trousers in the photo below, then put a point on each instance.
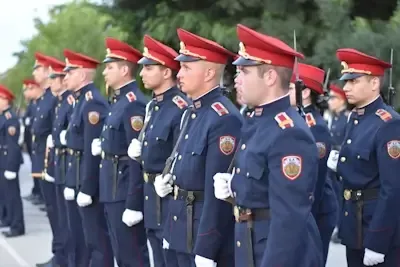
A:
(162, 257)
(13, 201)
(3, 199)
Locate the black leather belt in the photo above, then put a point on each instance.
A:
(60, 151)
(190, 197)
(359, 196)
(107, 156)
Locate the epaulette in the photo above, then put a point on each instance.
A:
(220, 109)
(383, 114)
(8, 115)
(131, 96)
(89, 96)
(180, 102)
(70, 99)
(310, 120)
(284, 121)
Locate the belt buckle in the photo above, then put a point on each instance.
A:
(103, 154)
(347, 194)
(236, 213)
(176, 191)
(71, 152)
(57, 152)
(146, 177)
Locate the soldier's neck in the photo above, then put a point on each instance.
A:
(204, 91)
(366, 102)
(46, 84)
(83, 85)
(123, 83)
(163, 88)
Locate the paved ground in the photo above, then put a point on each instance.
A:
(34, 247)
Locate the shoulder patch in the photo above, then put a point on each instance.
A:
(93, 117)
(137, 123)
(393, 149)
(89, 96)
(284, 121)
(384, 115)
(12, 130)
(321, 149)
(219, 108)
(131, 96)
(70, 100)
(292, 166)
(180, 102)
(8, 115)
(310, 120)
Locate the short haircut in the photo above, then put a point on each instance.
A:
(284, 74)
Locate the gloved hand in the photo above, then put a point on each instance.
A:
(222, 185)
(10, 175)
(49, 141)
(204, 262)
(63, 139)
(27, 121)
(165, 244)
(69, 194)
(373, 258)
(49, 178)
(333, 160)
(132, 217)
(135, 149)
(163, 184)
(83, 200)
(96, 147)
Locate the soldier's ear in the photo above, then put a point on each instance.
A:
(167, 73)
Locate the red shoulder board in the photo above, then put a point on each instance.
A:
(219, 108)
(8, 115)
(383, 114)
(180, 102)
(310, 120)
(284, 121)
(70, 100)
(131, 96)
(89, 96)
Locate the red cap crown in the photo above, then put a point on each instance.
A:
(56, 66)
(337, 90)
(265, 49)
(199, 47)
(41, 60)
(28, 82)
(312, 77)
(120, 50)
(6, 93)
(76, 60)
(157, 51)
(354, 61)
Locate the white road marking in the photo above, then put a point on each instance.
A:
(14, 254)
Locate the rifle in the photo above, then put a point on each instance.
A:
(299, 84)
(322, 100)
(391, 89)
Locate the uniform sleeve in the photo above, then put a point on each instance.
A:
(133, 124)
(94, 114)
(14, 157)
(324, 144)
(292, 165)
(217, 216)
(385, 218)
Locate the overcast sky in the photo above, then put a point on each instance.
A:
(16, 24)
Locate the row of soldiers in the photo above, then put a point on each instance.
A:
(204, 184)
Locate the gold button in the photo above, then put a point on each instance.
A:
(238, 244)
(346, 213)
(69, 164)
(175, 218)
(237, 170)
(234, 194)
(146, 197)
(348, 141)
(151, 126)
(179, 157)
(243, 147)
(142, 162)
(193, 116)
(356, 122)
(186, 136)
(342, 159)
(174, 177)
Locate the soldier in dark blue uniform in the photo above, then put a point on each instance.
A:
(163, 118)
(338, 107)
(31, 87)
(86, 123)
(200, 227)
(276, 165)
(369, 164)
(41, 130)
(325, 208)
(57, 157)
(121, 182)
(10, 162)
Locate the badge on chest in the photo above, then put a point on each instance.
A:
(227, 144)
(291, 167)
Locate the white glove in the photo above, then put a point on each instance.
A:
(10, 175)
(204, 262)
(333, 160)
(49, 141)
(69, 194)
(163, 185)
(49, 178)
(83, 200)
(96, 147)
(63, 139)
(165, 244)
(27, 121)
(373, 258)
(132, 217)
(222, 185)
(135, 149)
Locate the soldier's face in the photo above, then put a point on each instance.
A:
(112, 74)
(239, 89)
(40, 74)
(361, 90)
(3, 103)
(56, 85)
(335, 102)
(191, 76)
(252, 85)
(292, 94)
(72, 79)
(152, 76)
